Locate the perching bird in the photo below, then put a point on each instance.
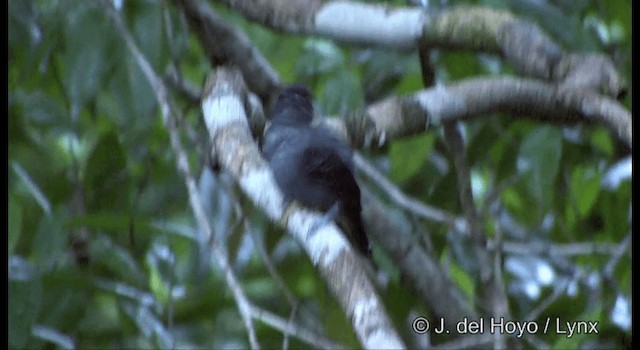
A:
(312, 166)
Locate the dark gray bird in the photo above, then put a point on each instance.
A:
(312, 166)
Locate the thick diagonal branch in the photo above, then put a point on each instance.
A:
(396, 117)
(225, 44)
(223, 108)
(169, 118)
(520, 42)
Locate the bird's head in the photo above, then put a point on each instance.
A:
(294, 106)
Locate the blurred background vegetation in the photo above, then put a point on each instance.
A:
(103, 250)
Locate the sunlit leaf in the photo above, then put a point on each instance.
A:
(409, 155)
(462, 279)
(341, 93)
(585, 186)
(539, 159)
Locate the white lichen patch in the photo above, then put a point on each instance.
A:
(219, 111)
(366, 312)
(439, 102)
(363, 309)
(326, 244)
(260, 185)
(381, 339)
(363, 23)
(323, 241)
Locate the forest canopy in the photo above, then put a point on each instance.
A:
(492, 148)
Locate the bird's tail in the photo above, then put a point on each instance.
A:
(354, 229)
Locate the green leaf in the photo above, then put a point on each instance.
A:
(22, 16)
(26, 300)
(563, 342)
(319, 56)
(110, 222)
(15, 223)
(616, 210)
(411, 80)
(601, 139)
(570, 218)
(107, 178)
(149, 34)
(89, 53)
(585, 187)
(512, 199)
(408, 155)
(116, 260)
(539, 159)
(42, 108)
(103, 317)
(462, 279)
(51, 241)
(342, 93)
(460, 65)
(158, 287)
(382, 70)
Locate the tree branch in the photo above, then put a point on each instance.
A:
(569, 101)
(292, 329)
(396, 117)
(521, 42)
(491, 292)
(223, 43)
(617, 254)
(223, 108)
(219, 252)
(422, 270)
(568, 249)
(406, 202)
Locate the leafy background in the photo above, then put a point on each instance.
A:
(102, 246)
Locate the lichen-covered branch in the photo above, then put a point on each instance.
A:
(182, 164)
(397, 117)
(571, 97)
(223, 43)
(423, 272)
(520, 42)
(223, 104)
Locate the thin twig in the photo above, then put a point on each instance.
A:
(183, 167)
(567, 249)
(279, 323)
(184, 88)
(617, 254)
(223, 43)
(292, 317)
(224, 109)
(557, 292)
(271, 269)
(268, 263)
(493, 295)
(404, 201)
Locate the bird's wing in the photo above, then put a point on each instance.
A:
(326, 165)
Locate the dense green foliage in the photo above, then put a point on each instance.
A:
(103, 248)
